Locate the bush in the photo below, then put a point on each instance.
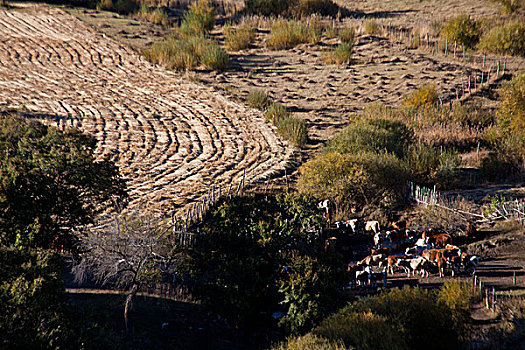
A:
(463, 30)
(238, 39)
(422, 159)
(294, 8)
(511, 114)
(362, 330)
(156, 16)
(356, 178)
(426, 95)
(310, 342)
(267, 7)
(288, 34)
(376, 135)
(293, 129)
(447, 170)
(347, 35)
(459, 297)
(372, 27)
(258, 99)
(188, 53)
(507, 39)
(342, 54)
(199, 19)
(275, 113)
(120, 6)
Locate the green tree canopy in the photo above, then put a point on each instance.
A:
(50, 183)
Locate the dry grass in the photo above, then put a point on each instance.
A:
(239, 38)
(288, 34)
(155, 16)
(342, 54)
(451, 135)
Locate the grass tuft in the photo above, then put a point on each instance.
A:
(293, 129)
(288, 34)
(258, 99)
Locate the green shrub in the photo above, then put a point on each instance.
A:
(419, 319)
(511, 114)
(459, 298)
(120, 6)
(288, 34)
(267, 7)
(510, 6)
(330, 31)
(294, 8)
(347, 35)
(372, 27)
(422, 159)
(356, 178)
(462, 29)
(238, 39)
(362, 330)
(275, 113)
(375, 135)
(426, 95)
(310, 342)
(199, 19)
(446, 175)
(214, 57)
(188, 53)
(293, 129)
(342, 54)
(506, 39)
(301, 8)
(258, 99)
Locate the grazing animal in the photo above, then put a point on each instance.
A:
(392, 262)
(439, 240)
(420, 264)
(395, 235)
(378, 239)
(361, 278)
(451, 246)
(372, 226)
(352, 224)
(436, 256)
(472, 264)
(399, 225)
(325, 205)
(404, 264)
(372, 260)
(384, 251)
(417, 250)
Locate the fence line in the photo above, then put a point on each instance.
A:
(503, 210)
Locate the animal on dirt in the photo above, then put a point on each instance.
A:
(395, 235)
(353, 224)
(421, 265)
(372, 260)
(437, 257)
(372, 226)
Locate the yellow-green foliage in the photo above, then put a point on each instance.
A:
(347, 35)
(188, 53)
(426, 95)
(461, 29)
(199, 19)
(330, 31)
(275, 113)
(458, 297)
(293, 129)
(342, 54)
(120, 6)
(364, 330)
(511, 6)
(155, 16)
(239, 38)
(511, 114)
(288, 34)
(310, 342)
(258, 99)
(372, 27)
(508, 38)
(360, 178)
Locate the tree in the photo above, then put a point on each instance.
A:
(50, 183)
(246, 262)
(128, 255)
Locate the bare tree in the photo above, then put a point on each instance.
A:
(127, 255)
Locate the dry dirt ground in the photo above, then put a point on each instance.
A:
(171, 138)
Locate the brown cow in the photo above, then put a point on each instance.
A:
(439, 240)
(372, 260)
(384, 251)
(436, 256)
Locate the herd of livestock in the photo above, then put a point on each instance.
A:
(400, 250)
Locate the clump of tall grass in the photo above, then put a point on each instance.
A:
(239, 38)
(188, 53)
(258, 99)
(199, 19)
(155, 16)
(342, 54)
(275, 113)
(347, 35)
(372, 27)
(288, 34)
(293, 129)
(508, 38)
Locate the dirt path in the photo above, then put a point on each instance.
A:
(171, 138)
